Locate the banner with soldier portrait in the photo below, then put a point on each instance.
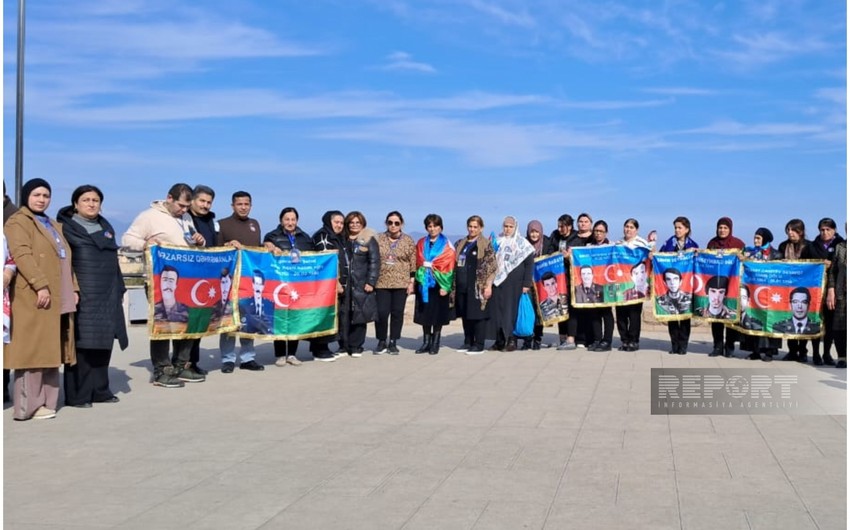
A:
(673, 285)
(782, 299)
(717, 277)
(190, 291)
(550, 286)
(612, 275)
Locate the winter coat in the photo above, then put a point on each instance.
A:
(279, 238)
(42, 338)
(207, 227)
(364, 259)
(100, 313)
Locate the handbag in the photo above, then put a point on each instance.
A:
(524, 317)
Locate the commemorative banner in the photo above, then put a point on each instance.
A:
(550, 285)
(782, 299)
(190, 291)
(673, 285)
(717, 279)
(287, 299)
(610, 275)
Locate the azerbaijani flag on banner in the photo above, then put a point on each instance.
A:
(673, 285)
(550, 287)
(286, 300)
(782, 299)
(190, 291)
(717, 277)
(618, 273)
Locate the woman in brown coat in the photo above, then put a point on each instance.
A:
(44, 298)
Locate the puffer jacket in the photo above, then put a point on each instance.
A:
(94, 258)
(280, 239)
(364, 266)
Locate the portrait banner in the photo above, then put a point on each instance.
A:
(782, 299)
(285, 299)
(673, 285)
(550, 286)
(190, 291)
(717, 278)
(612, 275)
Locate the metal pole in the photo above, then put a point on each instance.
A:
(19, 108)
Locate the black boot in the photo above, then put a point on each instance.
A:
(427, 339)
(511, 345)
(828, 360)
(435, 342)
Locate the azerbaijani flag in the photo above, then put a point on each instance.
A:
(622, 272)
(435, 264)
(770, 287)
(190, 291)
(299, 299)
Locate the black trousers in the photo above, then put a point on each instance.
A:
(390, 311)
(628, 322)
(569, 327)
(601, 324)
(160, 353)
(194, 351)
(717, 331)
(474, 332)
(840, 338)
(88, 380)
(285, 348)
(680, 334)
(798, 347)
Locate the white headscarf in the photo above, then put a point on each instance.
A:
(512, 250)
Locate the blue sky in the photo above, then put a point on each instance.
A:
(645, 109)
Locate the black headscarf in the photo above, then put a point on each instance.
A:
(30, 186)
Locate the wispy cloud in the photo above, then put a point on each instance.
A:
(734, 128)
(769, 47)
(502, 14)
(402, 61)
(682, 91)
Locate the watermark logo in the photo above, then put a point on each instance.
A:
(724, 391)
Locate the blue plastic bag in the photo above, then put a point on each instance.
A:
(524, 317)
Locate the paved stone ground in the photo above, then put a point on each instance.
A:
(546, 439)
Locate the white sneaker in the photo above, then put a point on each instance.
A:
(44, 413)
(280, 361)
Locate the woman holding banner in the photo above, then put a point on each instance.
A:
(793, 248)
(473, 287)
(329, 237)
(289, 238)
(823, 247)
(561, 240)
(435, 261)
(629, 316)
(534, 235)
(601, 318)
(100, 313)
(836, 301)
(724, 241)
(679, 330)
(763, 348)
(514, 276)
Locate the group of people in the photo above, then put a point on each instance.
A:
(63, 285)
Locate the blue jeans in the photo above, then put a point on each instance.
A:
(227, 345)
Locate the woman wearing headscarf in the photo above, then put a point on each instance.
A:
(679, 330)
(364, 264)
(836, 301)
(44, 298)
(514, 268)
(823, 247)
(329, 238)
(601, 318)
(395, 282)
(435, 270)
(763, 348)
(792, 249)
(724, 241)
(475, 271)
(100, 313)
(290, 239)
(534, 235)
(629, 316)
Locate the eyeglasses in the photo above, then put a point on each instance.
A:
(393, 223)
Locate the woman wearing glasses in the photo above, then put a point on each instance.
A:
(395, 282)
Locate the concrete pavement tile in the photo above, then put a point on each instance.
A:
(714, 518)
(448, 515)
(422, 455)
(347, 512)
(771, 518)
(411, 483)
(583, 516)
(486, 484)
(508, 515)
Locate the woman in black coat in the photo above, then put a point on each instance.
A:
(329, 237)
(360, 304)
(100, 313)
(289, 238)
